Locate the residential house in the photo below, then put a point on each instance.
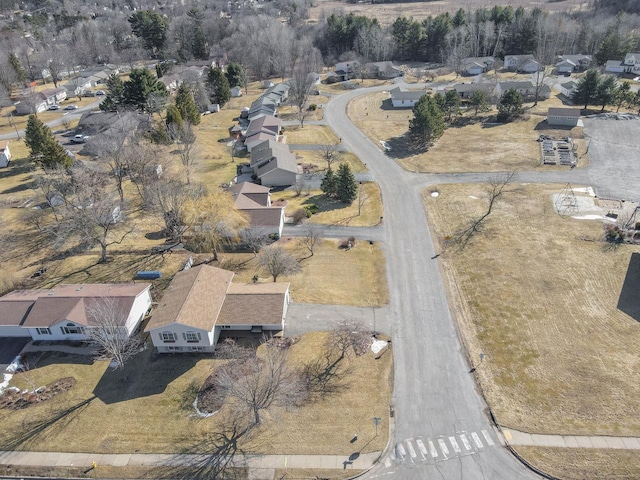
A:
(255, 200)
(521, 63)
(347, 70)
(109, 125)
(465, 90)
(5, 153)
(36, 102)
(77, 86)
(273, 164)
(403, 98)
(202, 302)
(278, 93)
(236, 91)
(267, 84)
(172, 81)
(314, 78)
(383, 70)
(568, 88)
(563, 117)
(630, 64)
(477, 65)
(261, 128)
(573, 63)
(65, 312)
(262, 106)
(524, 88)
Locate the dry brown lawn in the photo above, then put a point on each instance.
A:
(310, 135)
(342, 87)
(538, 294)
(332, 275)
(336, 213)
(476, 147)
(584, 464)
(388, 12)
(148, 408)
(315, 158)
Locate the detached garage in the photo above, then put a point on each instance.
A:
(563, 117)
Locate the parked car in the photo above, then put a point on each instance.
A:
(89, 93)
(54, 107)
(79, 139)
(71, 107)
(385, 145)
(100, 92)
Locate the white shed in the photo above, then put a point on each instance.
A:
(236, 91)
(5, 154)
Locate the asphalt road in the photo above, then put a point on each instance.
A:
(435, 396)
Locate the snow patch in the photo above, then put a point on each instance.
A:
(378, 345)
(435, 194)
(588, 190)
(592, 217)
(12, 368)
(471, 196)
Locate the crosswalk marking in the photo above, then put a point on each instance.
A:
(443, 447)
(412, 451)
(432, 449)
(401, 451)
(487, 437)
(476, 439)
(465, 442)
(454, 444)
(422, 448)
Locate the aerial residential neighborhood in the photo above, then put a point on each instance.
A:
(320, 240)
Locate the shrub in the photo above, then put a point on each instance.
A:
(312, 107)
(311, 209)
(352, 240)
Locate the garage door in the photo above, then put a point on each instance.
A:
(13, 331)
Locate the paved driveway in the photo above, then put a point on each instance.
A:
(9, 348)
(614, 150)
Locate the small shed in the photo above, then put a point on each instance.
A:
(214, 107)
(236, 91)
(563, 117)
(5, 154)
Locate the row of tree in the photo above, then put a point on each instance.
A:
(596, 89)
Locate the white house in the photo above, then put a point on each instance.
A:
(477, 65)
(236, 91)
(630, 64)
(573, 63)
(568, 88)
(65, 312)
(521, 63)
(347, 70)
(403, 98)
(525, 88)
(563, 117)
(5, 154)
(202, 301)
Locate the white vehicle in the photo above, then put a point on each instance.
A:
(79, 139)
(385, 145)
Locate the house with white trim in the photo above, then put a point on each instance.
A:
(202, 302)
(65, 312)
(477, 65)
(273, 164)
(5, 154)
(521, 63)
(255, 201)
(403, 98)
(573, 63)
(630, 64)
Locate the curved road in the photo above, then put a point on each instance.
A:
(435, 397)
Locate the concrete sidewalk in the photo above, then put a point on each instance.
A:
(515, 438)
(61, 459)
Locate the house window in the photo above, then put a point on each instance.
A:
(226, 327)
(197, 349)
(168, 337)
(43, 331)
(71, 329)
(191, 337)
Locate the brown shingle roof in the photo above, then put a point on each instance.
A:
(563, 112)
(249, 304)
(265, 217)
(48, 311)
(193, 298)
(14, 313)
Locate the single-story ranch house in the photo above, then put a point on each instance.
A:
(563, 117)
(202, 301)
(64, 312)
(403, 98)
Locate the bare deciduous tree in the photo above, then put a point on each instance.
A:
(330, 153)
(170, 198)
(255, 239)
(363, 198)
(496, 188)
(262, 382)
(187, 147)
(312, 234)
(108, 332)
(277, 261)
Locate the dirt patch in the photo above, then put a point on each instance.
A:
(18, 400)
(539, 295)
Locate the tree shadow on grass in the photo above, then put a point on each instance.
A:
(16, 167)
(21, 187)
(324, 203)
(629, 300)
(147, 373)
(36, 426)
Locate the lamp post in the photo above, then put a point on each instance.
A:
(376, 422)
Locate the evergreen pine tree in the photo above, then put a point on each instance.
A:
(43, 146)
(328, 185)
(17, 67)
(34, 136)
(427, 124)
(141, 84)
(114, 99)
(587, 90)
(235, 74)
(510, 105)
(186, 105)
(174, 117)
(346, 187)
(218, 85)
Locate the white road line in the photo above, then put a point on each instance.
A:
(401, 451)
(443, 447)
(465, 442)
(476, 439)
(422, 448)
(392, 455)
(454, 444)
(487, 437)
(387, 463)
(432, 449)
(412, 450)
